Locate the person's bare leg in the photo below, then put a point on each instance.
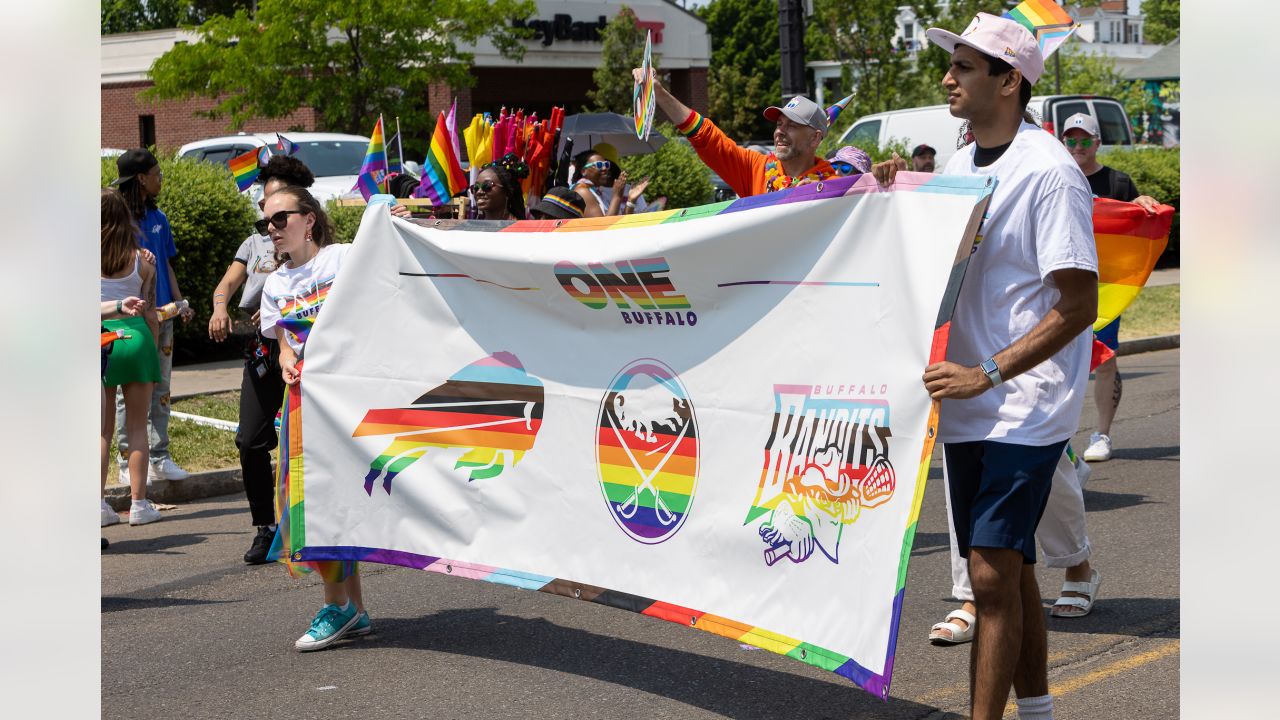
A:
(355, 592)
(108, 430)
(996, 574)
(1107, 388)
(335, 593)
(1031, 678)
(137, 405)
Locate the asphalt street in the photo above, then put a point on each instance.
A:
(188, 630)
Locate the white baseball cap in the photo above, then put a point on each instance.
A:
(1082, 121)
(999, 38)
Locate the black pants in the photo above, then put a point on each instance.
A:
(261, 393)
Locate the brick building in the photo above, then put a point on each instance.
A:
(556, 70)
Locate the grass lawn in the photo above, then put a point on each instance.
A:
(1154, 312)
(198, 447)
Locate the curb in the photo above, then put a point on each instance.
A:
(213, 483)
(1151, 344)
(200, 485)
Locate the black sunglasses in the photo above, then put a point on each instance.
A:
(280, 220)
(487, 186)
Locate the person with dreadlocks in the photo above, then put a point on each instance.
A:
(139, 183)
(497, 189)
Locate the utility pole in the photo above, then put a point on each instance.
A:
(791, 44)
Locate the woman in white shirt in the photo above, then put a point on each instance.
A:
(292, 298)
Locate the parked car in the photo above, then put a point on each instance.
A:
(334, 158)
(935, 126)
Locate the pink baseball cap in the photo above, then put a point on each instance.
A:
(999, 38)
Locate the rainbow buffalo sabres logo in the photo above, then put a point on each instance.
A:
(492, 407)
(826, 460)
(647, 451)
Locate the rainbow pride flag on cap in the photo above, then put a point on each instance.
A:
(1047, 21)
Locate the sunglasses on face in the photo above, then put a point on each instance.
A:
(1082, 142)
(598, 165)
(280, 220)
(843, 168)
(485, 185)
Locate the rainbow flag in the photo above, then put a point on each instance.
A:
(245, 167)
(642, 94)
(442, 175)
(1129, 243)
(1047, 21)
(375, 165)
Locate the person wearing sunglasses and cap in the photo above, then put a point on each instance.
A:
(800, 126)
(851, 159)
(1013, 384)
(1081, 137)
(140, 180)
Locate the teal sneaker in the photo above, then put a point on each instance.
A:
(329, 625)
(362, 626)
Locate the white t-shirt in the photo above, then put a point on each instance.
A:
(1040, 220)
(259, 258)
(292, 297)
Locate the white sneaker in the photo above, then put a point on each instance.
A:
(1099, 449)
(167, 469)
(123, 477)
(109, 516)
(143, 512)
(1083, 471)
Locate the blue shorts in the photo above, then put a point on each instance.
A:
(1110, 335)
(998, 493)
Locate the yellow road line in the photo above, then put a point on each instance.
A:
(1070, 685)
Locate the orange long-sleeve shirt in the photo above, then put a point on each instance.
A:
(746, 171)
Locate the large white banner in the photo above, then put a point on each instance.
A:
(712, 416)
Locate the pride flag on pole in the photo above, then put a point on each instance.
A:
(245, 167)
(1047, 21)
(373, 172)
(285, 145)
(442, 175)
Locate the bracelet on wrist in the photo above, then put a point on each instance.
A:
(120, 306)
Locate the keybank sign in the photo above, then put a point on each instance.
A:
(563, 27)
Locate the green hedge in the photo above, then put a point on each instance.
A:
(210, 219)
(675, 170)
(1157, 172)
(346, 220)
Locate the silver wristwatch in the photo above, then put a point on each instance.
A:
(992, 371)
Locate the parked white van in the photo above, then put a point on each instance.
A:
(935, 126)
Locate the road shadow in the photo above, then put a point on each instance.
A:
(1098, 501)
(685, 677)
(212, 513)
(930, 543)
(1172, 452)
(1139, 617)
(116, 604)
(164, 545)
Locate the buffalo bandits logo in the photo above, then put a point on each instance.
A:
(826, 460)
(492, 408)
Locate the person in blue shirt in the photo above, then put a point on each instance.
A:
(140, 179)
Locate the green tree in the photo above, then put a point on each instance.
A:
(746, 72)
(385, 55)
(1163, 20)
(1085, 74)
(121, 16)
(622, 48)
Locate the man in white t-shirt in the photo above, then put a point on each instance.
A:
(1017, 365)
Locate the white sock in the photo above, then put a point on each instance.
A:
(138, 503)
(1035, 708)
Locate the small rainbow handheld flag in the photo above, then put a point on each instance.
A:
(442, 175)
(374, 166)
(285, 145)
(1047, 21)
(245, 167)
(642, 94)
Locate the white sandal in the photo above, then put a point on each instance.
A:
(959, 635)
(1085, 604)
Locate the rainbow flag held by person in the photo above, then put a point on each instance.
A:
(442, 175)
(245, 167)
(1129, 243)
(285, 145)
(642, 94)
(375, 164)
(1047, 21)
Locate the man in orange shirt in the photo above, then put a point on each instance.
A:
(801, 125)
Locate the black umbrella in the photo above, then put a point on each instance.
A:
(589, 129)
